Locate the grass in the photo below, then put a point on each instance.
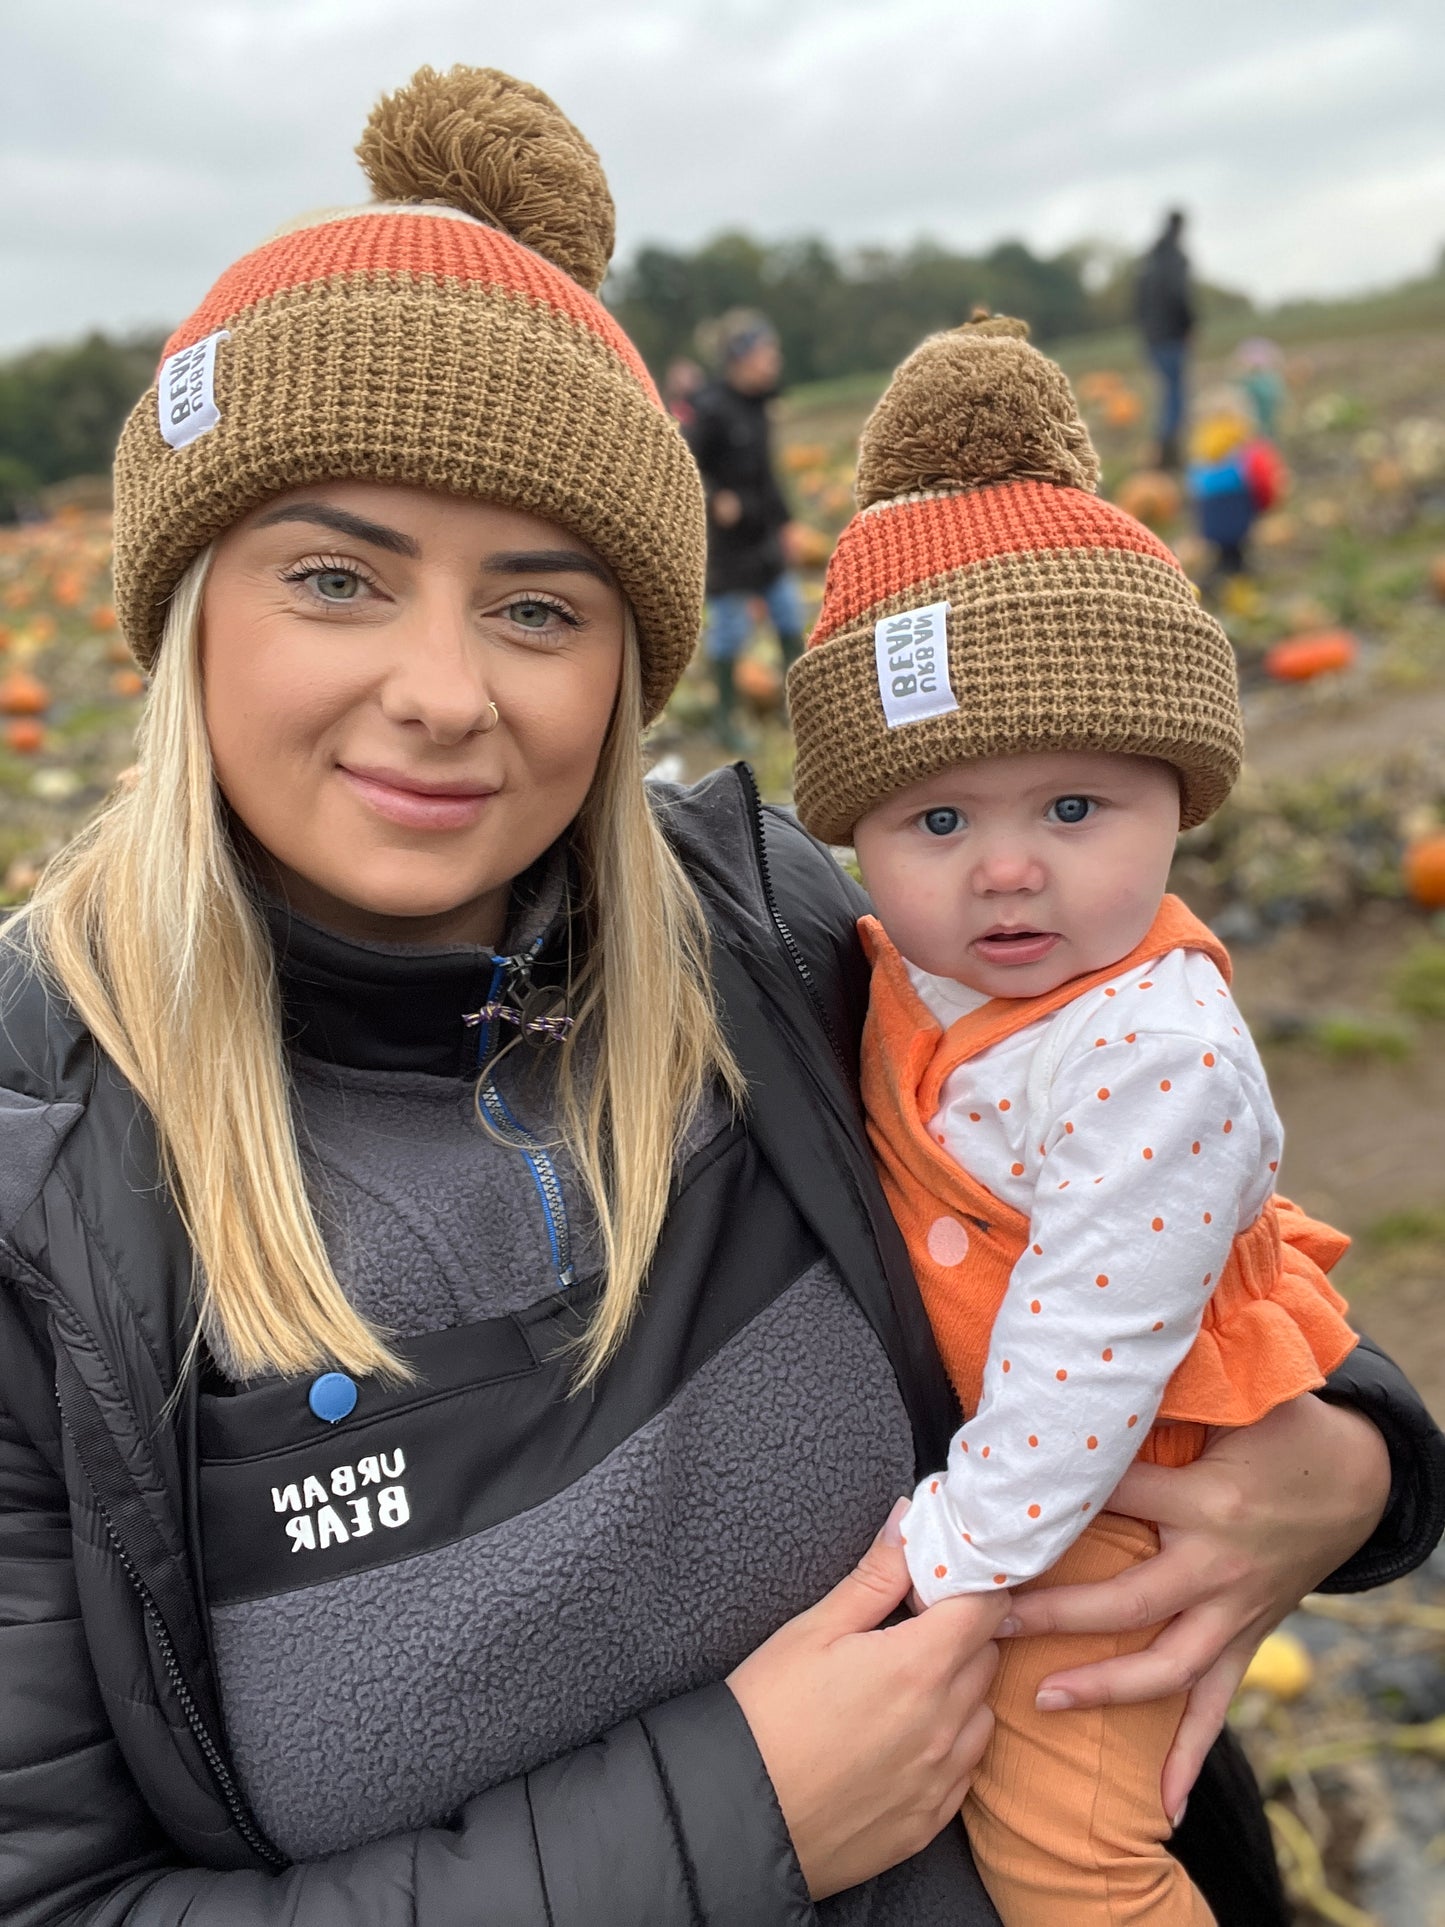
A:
(1352, 1037)
(1401, 1230)
(1418, 984)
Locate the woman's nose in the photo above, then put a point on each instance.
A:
(437, 680)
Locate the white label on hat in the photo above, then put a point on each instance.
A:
(912, 655)
(186, 390)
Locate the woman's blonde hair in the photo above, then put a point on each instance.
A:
(149, 926)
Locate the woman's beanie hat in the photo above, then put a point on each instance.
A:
(985, 602)
(449, 337)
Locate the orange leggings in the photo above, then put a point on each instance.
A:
(1064, 1817)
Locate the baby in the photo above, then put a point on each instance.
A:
(1011, 704)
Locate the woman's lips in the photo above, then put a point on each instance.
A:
(415, 805)
(1028, 947)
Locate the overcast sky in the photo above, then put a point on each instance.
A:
(146, 143)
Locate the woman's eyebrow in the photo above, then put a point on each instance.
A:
(545, 562)
(342, 523)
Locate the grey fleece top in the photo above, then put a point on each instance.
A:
(382, 1700)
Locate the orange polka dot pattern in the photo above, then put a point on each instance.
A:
(1061, 1360)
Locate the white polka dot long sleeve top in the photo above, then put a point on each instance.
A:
(1134, 1129)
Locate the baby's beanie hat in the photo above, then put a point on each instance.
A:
(985, 602)
(447, 336)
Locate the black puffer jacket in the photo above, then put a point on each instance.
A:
(732, 440)
(1163, 299)
(118, 1799)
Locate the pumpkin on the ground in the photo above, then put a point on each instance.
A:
(806, 548)
(1425, 870)
(1276, 530)
(758, 683)
(22, 694)
(24, 735)
(1151, 496)
(1282, 1667)
(1302, 658)
(1098, 385)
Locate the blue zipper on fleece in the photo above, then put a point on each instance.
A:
(544, 1171)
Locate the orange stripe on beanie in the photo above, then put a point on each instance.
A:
(447, 337)
(874, 560)
(985, 602)
(403, 241)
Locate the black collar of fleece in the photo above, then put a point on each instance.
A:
(401, 1007)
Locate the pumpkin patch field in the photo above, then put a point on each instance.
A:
(1325, 874)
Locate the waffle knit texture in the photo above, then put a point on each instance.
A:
(425, 345)
(1069, 625)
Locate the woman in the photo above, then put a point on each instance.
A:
(375, 1547)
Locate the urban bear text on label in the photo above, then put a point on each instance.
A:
(348, 1502)
(186, 391)
(911, 650)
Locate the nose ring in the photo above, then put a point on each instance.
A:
(496, 718)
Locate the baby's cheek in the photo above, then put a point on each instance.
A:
(932, 932)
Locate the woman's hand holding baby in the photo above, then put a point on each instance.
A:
(1267, 1513)
(871, 1733)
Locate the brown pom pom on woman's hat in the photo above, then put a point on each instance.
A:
(498, 148)
(446, 335)
(986, 602)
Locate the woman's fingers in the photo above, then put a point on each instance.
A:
(968, 1751)
(876, 1586)
(1162, 1494)
(1141, 1596)
(1201, 1726)
(1174, 1663)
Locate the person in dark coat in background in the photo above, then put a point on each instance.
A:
(1164, 308)
(746, 512)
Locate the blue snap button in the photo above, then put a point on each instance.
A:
(333, 1397)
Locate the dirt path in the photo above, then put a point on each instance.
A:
(1293, 741)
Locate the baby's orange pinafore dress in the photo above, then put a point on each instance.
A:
(1065, 1816)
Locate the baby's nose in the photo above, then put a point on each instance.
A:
(1007, 868)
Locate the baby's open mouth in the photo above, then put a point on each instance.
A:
(1015, 945)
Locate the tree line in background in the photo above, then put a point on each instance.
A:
(61, 408)
(854, 313)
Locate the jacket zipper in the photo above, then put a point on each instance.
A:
(230, 1793)
(789, 941)
(544, 1171)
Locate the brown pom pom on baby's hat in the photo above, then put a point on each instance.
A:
(447, 336)
(986, 602)
(476, 139)
(974, 406)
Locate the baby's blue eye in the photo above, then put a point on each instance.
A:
(1071, 809)
(941, 822)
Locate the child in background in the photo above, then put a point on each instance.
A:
(1234, 475)
(1258, 364)
(1011, 704)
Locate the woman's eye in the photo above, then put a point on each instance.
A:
(1071, 809)
(941, 822)
(528, 614)
(337, 585)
